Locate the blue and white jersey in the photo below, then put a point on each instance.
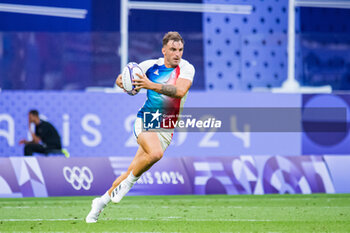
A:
(157, 72)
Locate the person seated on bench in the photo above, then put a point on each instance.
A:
(46, 139)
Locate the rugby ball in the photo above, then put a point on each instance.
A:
(128, 74)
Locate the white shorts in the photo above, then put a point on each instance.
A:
(164, 137)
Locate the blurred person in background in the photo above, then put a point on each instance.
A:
(45, 139)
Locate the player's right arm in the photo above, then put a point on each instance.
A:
(36, 139)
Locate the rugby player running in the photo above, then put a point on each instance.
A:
(167, 81)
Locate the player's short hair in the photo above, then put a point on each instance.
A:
(175, 36)
(34, 112)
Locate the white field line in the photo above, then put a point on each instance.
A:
(37, 219)
(171, 218)
(169, 207)
(177, 200)
(41, 201)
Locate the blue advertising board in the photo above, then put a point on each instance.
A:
(54, 176)
(326, 142)
(101, 124)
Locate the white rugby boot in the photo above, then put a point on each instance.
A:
(96, 208)
(120, 191)
(123, 188)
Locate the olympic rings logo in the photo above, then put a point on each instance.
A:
(78, 178)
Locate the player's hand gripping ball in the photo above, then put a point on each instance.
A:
(128, 74)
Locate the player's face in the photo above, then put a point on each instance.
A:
(172, 53)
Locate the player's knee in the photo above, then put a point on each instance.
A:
(156, 155)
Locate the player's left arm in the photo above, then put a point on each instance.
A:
(178, 90)
(36, 139)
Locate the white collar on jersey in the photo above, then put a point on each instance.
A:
(160, 61)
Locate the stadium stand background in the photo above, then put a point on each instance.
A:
(230, 52)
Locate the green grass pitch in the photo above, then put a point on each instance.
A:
(212, 213)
